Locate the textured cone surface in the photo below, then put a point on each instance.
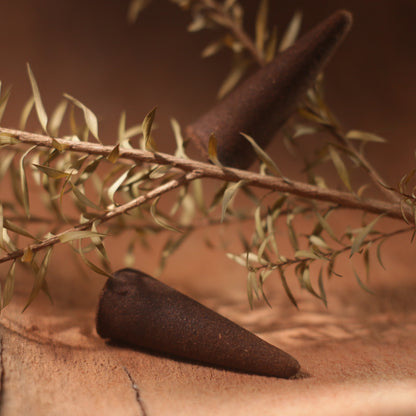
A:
(261, 104)
(138, 310)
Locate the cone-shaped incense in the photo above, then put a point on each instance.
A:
(138, 310)
(261, 104)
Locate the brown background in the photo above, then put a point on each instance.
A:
(87, 49)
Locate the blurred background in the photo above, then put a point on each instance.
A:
(87, 49)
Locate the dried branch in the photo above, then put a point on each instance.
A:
(301, 189)
(122, 209)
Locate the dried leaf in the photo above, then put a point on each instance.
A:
(261, 25)
(40, 110)
(306, 254)
(3, 101)
(292, 234)
(51, 172)
(147, 129)
(79, 235)
(116, 185)
(237, 72)
(82, 198)
(322, 288)
(93, 266)
(89, 116)
(229, 195)
(362, 285)
(340, 167)
(180, 143)
(263, 156)
(271, 46)
(23, 182)
(251, 287)
(379, 253)
(160, 220)
(114, 154)
(38, 284)
(364, 136)
(291, 32)
(17, 229)
(361, 236)
(212, 48)
(212, 150)
(8, 140)
(9, 285)
(135, 7)
(57, 117)
(287, 289)
(26, 112)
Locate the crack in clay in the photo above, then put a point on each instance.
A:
(135, 387)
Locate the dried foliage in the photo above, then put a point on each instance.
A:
(91, 192)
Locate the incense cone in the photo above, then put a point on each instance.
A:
(261, 104)
(140, 311)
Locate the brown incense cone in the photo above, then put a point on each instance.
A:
(138, 310)
(261, 104)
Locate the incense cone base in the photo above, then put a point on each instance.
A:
(140, 311)
(262, 104)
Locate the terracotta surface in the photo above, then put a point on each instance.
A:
(360, 353)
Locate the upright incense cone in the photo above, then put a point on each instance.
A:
(138, 310)
(261, 104)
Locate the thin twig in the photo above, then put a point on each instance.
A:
(121, 209)
(291, 262)
(216, 11)
(301, 189)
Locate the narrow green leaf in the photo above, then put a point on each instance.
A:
(261, 25)
(364, 136)
(9, 285)
(229, 195)
(291, 32)
(88, 170)
(263, 156)
(147, 129)
(340, 167)
(212, 150)
(40, 110)
(362, 285)
(306, 279)
(361, 236)
(259, 223)
(89, 116)
(325, 225)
